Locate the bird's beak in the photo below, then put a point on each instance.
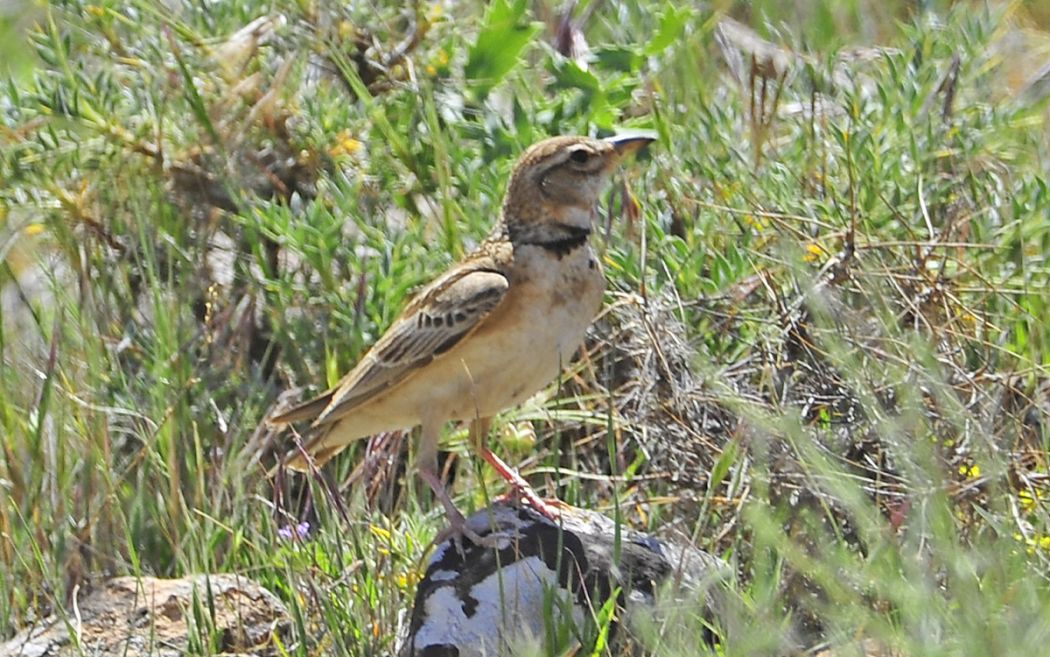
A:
(630, 142)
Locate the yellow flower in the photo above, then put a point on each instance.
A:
(435, 12)
(95, 10)
(971, 471)
(33, 229)
(345, 145)
(380, 532)
(408, 579)
(755, 222)
(1039, 542)
(1028, 498)
(814, 252)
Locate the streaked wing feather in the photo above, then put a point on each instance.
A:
(447, 311)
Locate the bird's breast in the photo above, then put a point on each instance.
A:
(564, 293)
(532, 334)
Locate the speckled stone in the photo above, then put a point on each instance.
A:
(542, 577)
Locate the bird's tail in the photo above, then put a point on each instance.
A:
(308, 410)
(313, 454)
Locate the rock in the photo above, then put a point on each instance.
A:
(130, 616)
(542, 580)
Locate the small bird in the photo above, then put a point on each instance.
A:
(490, 331)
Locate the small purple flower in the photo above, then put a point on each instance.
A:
(300, 531)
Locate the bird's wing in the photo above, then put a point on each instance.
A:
(444, 313)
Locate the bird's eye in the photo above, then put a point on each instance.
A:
(580, 156)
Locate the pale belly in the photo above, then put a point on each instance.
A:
(517, 351)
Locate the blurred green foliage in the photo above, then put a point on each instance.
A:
(204, 204)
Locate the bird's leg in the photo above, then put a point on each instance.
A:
(479, 430)
(457, 524)
(426, 455)
(428, 472)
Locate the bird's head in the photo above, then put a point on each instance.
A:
(555, 186)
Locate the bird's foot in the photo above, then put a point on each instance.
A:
(459, 529)
(521, 490)
(550, 508)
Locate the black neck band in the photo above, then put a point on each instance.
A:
(565, 245)
(560, 239)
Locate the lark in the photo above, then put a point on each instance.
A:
(490, 331)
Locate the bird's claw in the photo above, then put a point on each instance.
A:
(459, 528)
(548, 508)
